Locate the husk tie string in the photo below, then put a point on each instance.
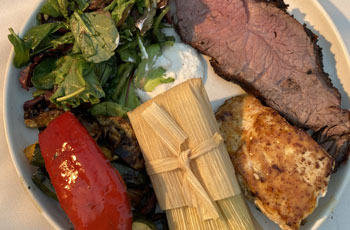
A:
(176, 140)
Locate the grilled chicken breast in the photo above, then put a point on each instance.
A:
(280, 167)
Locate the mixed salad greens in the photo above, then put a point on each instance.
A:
(93, 52)
(88, 56)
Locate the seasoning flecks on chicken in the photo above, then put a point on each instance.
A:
(280, 167)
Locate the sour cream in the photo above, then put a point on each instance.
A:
(183, 62)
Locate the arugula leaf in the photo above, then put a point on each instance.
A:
(63, 66)
(95, 34)
(121, 88)
(94, 89)
(129, 55)
(21, 57)
(128, 52)
(147, 77)
(51, 8)
(156, 78)
(110, 109)
(76, 83)
(120, 10)
(127, 30)
(144, 54)
(156, 32)
(76, 48)
(105, 70)
(119, 82)
(67, 38)
(128, 97)
(64, 5)
(141, 4)
(145, 22)
(38, 37)
(57, 8)
(43, 78)
(82, 4)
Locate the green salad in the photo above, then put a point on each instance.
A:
(93, 52)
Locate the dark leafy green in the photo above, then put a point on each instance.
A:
(82, 4)
(145, 22)
(43, 78)
(128, 51)
(116, 85)
(51, 8)
(67, 38)
(105, 70)
(21, 57)
(127, 31)
(129, 54)
(38, 38)
(64, 5)
(128, 97)
(156, 33)
(57, 8)
(120, 10)
(95, 34)
(110, 109)
(77, 83)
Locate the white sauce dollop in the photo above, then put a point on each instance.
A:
(183, 62)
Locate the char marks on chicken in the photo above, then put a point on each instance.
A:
(280, 167)
(258, 45)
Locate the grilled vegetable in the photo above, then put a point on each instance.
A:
(34, 156)
(91, 125)
(132, 177)
(43, 119)
(42, 181)
(121, 138)
(136, 195)
(142, 224)
(108, 154)
(89, 189)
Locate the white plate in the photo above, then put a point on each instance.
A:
(337, 64)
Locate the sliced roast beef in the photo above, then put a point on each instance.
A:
(258, 45)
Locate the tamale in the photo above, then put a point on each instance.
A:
(188, 163)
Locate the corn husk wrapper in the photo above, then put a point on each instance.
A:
(188, 164)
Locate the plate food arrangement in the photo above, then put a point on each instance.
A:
(89, 66)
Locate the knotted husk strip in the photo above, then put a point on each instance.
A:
(189, 106)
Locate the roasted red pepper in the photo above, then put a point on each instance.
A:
(90, 191)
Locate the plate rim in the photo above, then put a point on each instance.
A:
(6, 117)
(35, 199)
(345, 51)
